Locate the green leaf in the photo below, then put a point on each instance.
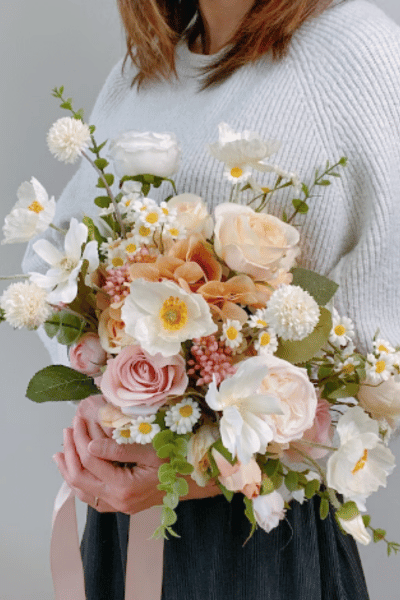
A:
(68, 328)
(109, 177)
(333, 390)
(323, 182)
(249, 512)
(166, 468)
(180, 446)
(162, 438)
(367, 520)
(267, 486)
(3, 315)
(348, 511)
(284, 217)
(99, 148)
(324, 509)
(321, 288)
(292, 481)
(66, 105)
(93, 231)
(166, 451)
(182, 467)
(271, 466)
(92, 129)
(312, 488)
(168, 516)
(300, 206)
(58, 383)
(305, 190)
(101, 163)
(227, 493)
(218, 445)
(301, 351)
(379, 534)
(181, 486)
(343, 161)
(171, 500)
(325, 371)
(172, 532)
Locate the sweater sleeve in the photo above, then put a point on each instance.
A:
(77, 197)
(354, 94)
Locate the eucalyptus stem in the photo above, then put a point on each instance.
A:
(315, 465)
(110, 194)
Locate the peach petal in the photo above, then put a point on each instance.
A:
(145, 271)
(190, 272)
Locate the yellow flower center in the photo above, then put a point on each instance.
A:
(117, 261)
(383, 348)
(231, 333)
(360, 464)
(174, 314)
(174, 231)
(262, 323)
(165, 211)
(125, 433)
(144, 231)
(265, 339)
(186, 411)
(36, 207)
(145, 428)
(152, 218)
(265, 190)
(349, 368)
(340, 330)
(236, 172)
(127, 202)
(380, 366)
(131, 248)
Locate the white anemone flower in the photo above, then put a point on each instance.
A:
(61, 279)
(362, 462)
(243, 429)
(31, 215)
(67, 139)
(241, 152)
(161, 315)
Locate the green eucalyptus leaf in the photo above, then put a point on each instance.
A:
(58, 383)
(303, 350)
(166, 451)
(171, 500)
(312, 488)
(324, 509)
(181, 486)
(271, 466)
(348, 511)
(162, 438)
(292, 481)
(168, 516)
(319, 287)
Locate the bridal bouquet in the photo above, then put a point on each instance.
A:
(201, 333)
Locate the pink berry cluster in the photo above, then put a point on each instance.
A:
(117, 283)
(210, 357)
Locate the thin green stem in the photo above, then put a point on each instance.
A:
(63, 231)
(11, 277)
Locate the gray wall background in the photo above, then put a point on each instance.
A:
(47, 43)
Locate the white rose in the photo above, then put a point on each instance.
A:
(297, 395)
(136, 153)
(256, 244)
(192, 214)
(382, 401)
(198, 446)
(268, 510)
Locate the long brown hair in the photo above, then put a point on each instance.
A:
(154, 27)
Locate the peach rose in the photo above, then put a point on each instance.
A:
(140, 383)
(321, 432)
(113, 336)
(239, 477)
(382, 401)
(256, 244)
(192, 214)
(298, 399)
(87, 356)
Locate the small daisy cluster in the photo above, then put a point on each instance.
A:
(138, 431)
(149, 220)
(210, 358)
(383, 362)
(183, 416)
(342, 332)
(266, 341)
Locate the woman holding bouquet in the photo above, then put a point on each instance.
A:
(323, 78)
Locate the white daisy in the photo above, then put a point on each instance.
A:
(383, 347)
(258, 319)
(342, 330)
(267, 342)
(169, 213)
(183, 416)
(130, 245)
(122, 435)
(347, 367)
(144, 429)
(143, 204)
(379, 368)
(231, 333)
(151, 217)
(31, 215)
(67, 139)
(127, 202)
(174, 231)
(25, 305)
(292, 312)
(143, 233)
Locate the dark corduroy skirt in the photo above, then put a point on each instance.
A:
(302, 559)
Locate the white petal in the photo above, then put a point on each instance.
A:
(76, 236)
(48, 252)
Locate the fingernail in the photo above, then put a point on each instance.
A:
(55, 458)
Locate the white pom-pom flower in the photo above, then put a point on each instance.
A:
(183, 416)
(31, 215)
(25, 305)
(292, 312)
(67, 139)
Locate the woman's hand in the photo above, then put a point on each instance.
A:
(88, 464)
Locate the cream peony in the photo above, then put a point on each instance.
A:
(297, 395)
(269, 510)
(256, 244)
(31, 215)
(192, 214)
(382, 401)
(137, 153)
(162, 315)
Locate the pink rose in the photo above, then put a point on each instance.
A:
(321, 432)
(87, 356)
(239, 477)
(140, 383)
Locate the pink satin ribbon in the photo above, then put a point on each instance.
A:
(144, 563)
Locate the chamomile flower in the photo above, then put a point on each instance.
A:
(151, 217)
(114, 252)
(183, 416)
(382, 347)
(127, 202)
(143, 204)
(231, 333)
(143, 233)
(144, 429)
(267, 342)
(122, 435)
(347, 367)
(169, 213)
(174, 231)
(130, 246)
(379, 368)
(342, 330)
(258, 319)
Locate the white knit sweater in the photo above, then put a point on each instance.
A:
(336, 93)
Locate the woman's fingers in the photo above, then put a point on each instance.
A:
(107, 449)
(99, 468)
